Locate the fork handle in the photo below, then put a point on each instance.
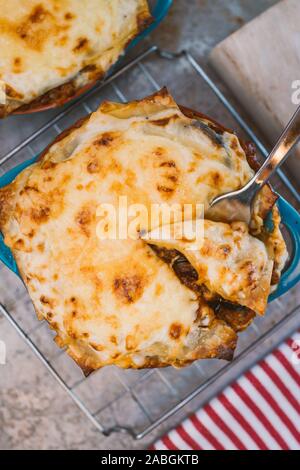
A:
(280, 152)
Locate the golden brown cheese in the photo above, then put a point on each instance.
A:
(116, 301)
(61, 45)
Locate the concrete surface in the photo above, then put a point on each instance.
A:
(35, 412)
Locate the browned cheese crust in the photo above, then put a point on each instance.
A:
(135, 303)
(66, 46)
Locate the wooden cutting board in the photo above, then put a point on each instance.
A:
(260, 63)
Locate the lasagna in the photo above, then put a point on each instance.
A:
(52, 50)
(141, 301)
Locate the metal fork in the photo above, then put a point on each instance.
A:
(238, 205)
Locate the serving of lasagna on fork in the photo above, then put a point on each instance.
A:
(141, 301)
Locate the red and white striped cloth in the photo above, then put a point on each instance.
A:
(261, 410)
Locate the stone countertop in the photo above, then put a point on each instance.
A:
(35, 412)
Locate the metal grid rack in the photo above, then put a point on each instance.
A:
(137, 401)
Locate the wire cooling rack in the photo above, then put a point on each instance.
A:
(117, 400)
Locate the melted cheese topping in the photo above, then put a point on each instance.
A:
(45, 44)
(115, 301)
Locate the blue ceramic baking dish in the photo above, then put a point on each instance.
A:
(158, 11)
(290, 219)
